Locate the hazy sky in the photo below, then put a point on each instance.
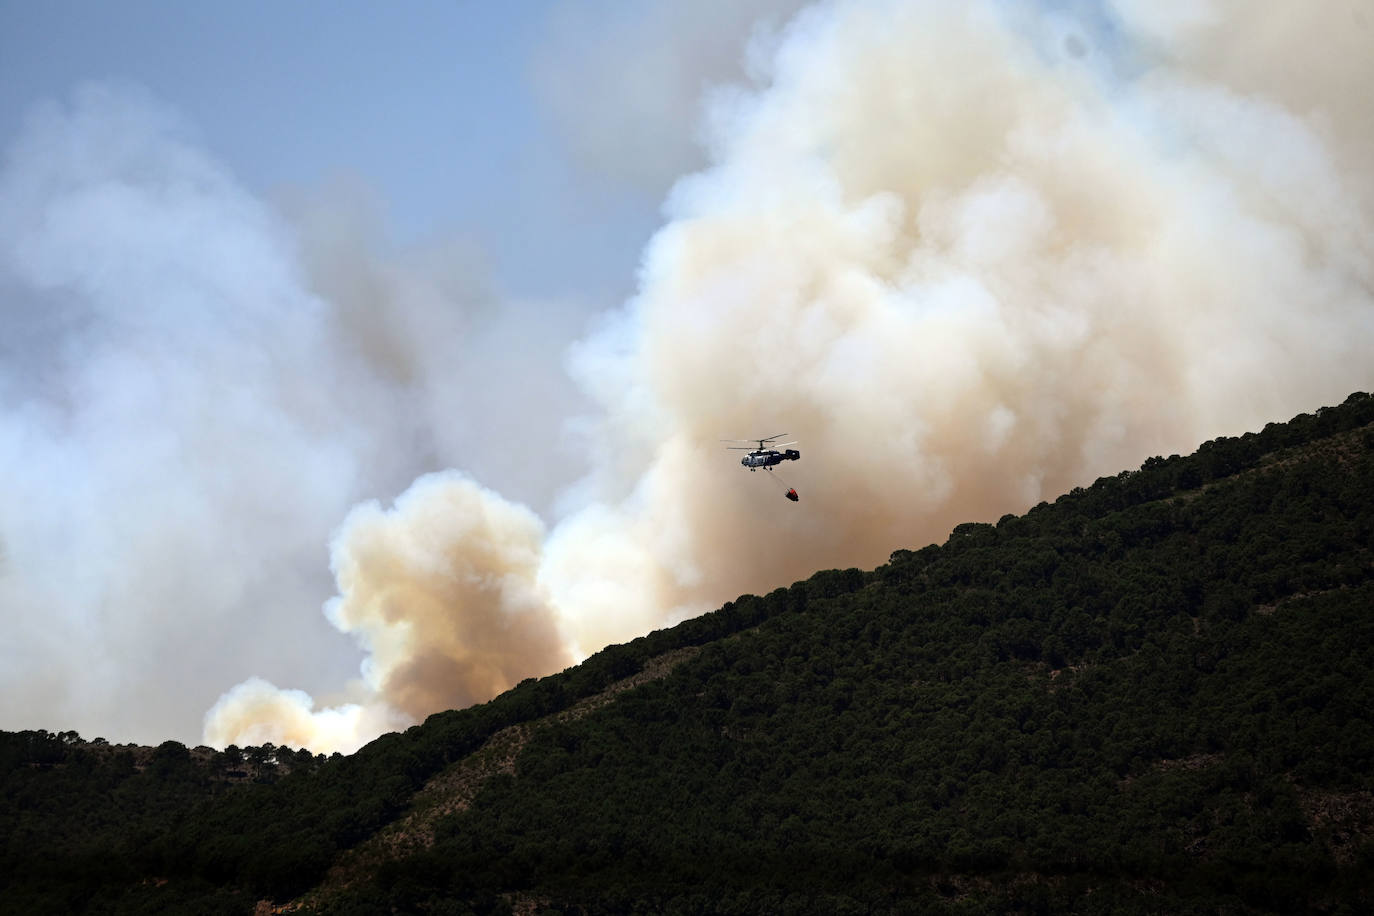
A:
(358, 360)
(430, 104)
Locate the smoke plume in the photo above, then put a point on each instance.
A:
(194, 390)
(160, 394)
(441, 591)
(644, 129)
(971, 256)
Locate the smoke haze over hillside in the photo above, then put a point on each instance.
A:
(970, 256)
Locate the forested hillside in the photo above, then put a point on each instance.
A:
(1152, 695)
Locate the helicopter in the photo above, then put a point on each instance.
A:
(770, 452)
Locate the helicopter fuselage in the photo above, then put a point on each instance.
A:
(766, 458)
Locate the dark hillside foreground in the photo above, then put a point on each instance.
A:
(1151, 696)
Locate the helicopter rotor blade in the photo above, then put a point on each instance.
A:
(762, 444)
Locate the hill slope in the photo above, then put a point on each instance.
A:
(1151, 695)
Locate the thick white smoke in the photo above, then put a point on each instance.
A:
(442, 593)
(972, 256)
(193, 392)
(159, 398)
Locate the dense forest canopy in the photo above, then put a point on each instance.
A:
(1151, 695)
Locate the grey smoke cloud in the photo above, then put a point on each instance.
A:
(194, 390)
(479, 376)
(157, 410)
(626, 83)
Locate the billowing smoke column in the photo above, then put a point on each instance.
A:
(442, 593)
(193, 393)
(971, 256)
(161, 390)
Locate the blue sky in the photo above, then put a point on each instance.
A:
(429, 104)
